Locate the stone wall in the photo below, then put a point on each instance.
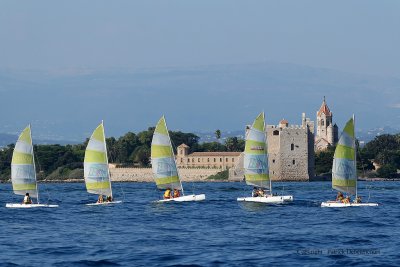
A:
(293, 155)
(290, 153)
(146, 174)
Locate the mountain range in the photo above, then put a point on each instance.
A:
(69, 104)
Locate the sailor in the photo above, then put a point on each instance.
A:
(357, 200)
(261, 192)
(167, 193)
(27, 199)
(346, 200)
(100, 199)
(176, 193)
(339, 196)
(255, 192)
(109, 199)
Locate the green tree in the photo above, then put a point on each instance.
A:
(381, 145)
(387, 171)
(190, 139)
(211, 147)
(234, 144)
(141, 155)
(324, 160)
(218, 135)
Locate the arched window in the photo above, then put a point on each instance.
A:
(294, 162)
(322, 123)
(292, 147)
(276, 132)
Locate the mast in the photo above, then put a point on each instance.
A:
(355, 151)
(173, 154)
(34, 165)
(266, 154)
(108, 169)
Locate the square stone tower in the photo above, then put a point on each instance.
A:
(291, 150)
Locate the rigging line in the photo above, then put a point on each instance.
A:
(122, 189)
(362, 165)
(36, 158)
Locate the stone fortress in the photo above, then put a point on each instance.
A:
(291, 147)
(290, 153)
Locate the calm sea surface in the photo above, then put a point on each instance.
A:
(216, 232)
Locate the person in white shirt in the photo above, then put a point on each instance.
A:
(27, 199)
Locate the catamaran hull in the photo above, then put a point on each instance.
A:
(104, 203)
(185, 198)
(334, 204)
(268, 200)
(29, 206)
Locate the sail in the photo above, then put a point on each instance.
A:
(344, 173)
(255, 154)
(162, 159)
(97, 178)
(23, 172)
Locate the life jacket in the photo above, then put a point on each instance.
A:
(27, 200)
(167, 193)
(176, 193)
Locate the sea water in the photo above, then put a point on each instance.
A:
(216, 232)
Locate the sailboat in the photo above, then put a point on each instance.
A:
(23, 171)
(256, 170)
(164, 166)
(344, 171)
(96, 171)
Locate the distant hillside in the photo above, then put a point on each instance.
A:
(363, 136)
(6, 139)
(69, 104)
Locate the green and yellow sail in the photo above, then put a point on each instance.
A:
(163, 159)
(256, 169)
(96, 172)
(23, 171)
(344, 173)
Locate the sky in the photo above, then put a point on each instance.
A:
(53, 39)
(355, 36)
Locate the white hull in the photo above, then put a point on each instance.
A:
(334, 204)
(28, 206)
(104, 203)
(267, 199)
(185, 198)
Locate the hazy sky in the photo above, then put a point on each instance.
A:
(356, 36)
(130, 46)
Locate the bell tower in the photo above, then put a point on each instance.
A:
(326, 131)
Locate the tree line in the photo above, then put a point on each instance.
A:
(66, 161)
(384, 151)
(58, 161)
